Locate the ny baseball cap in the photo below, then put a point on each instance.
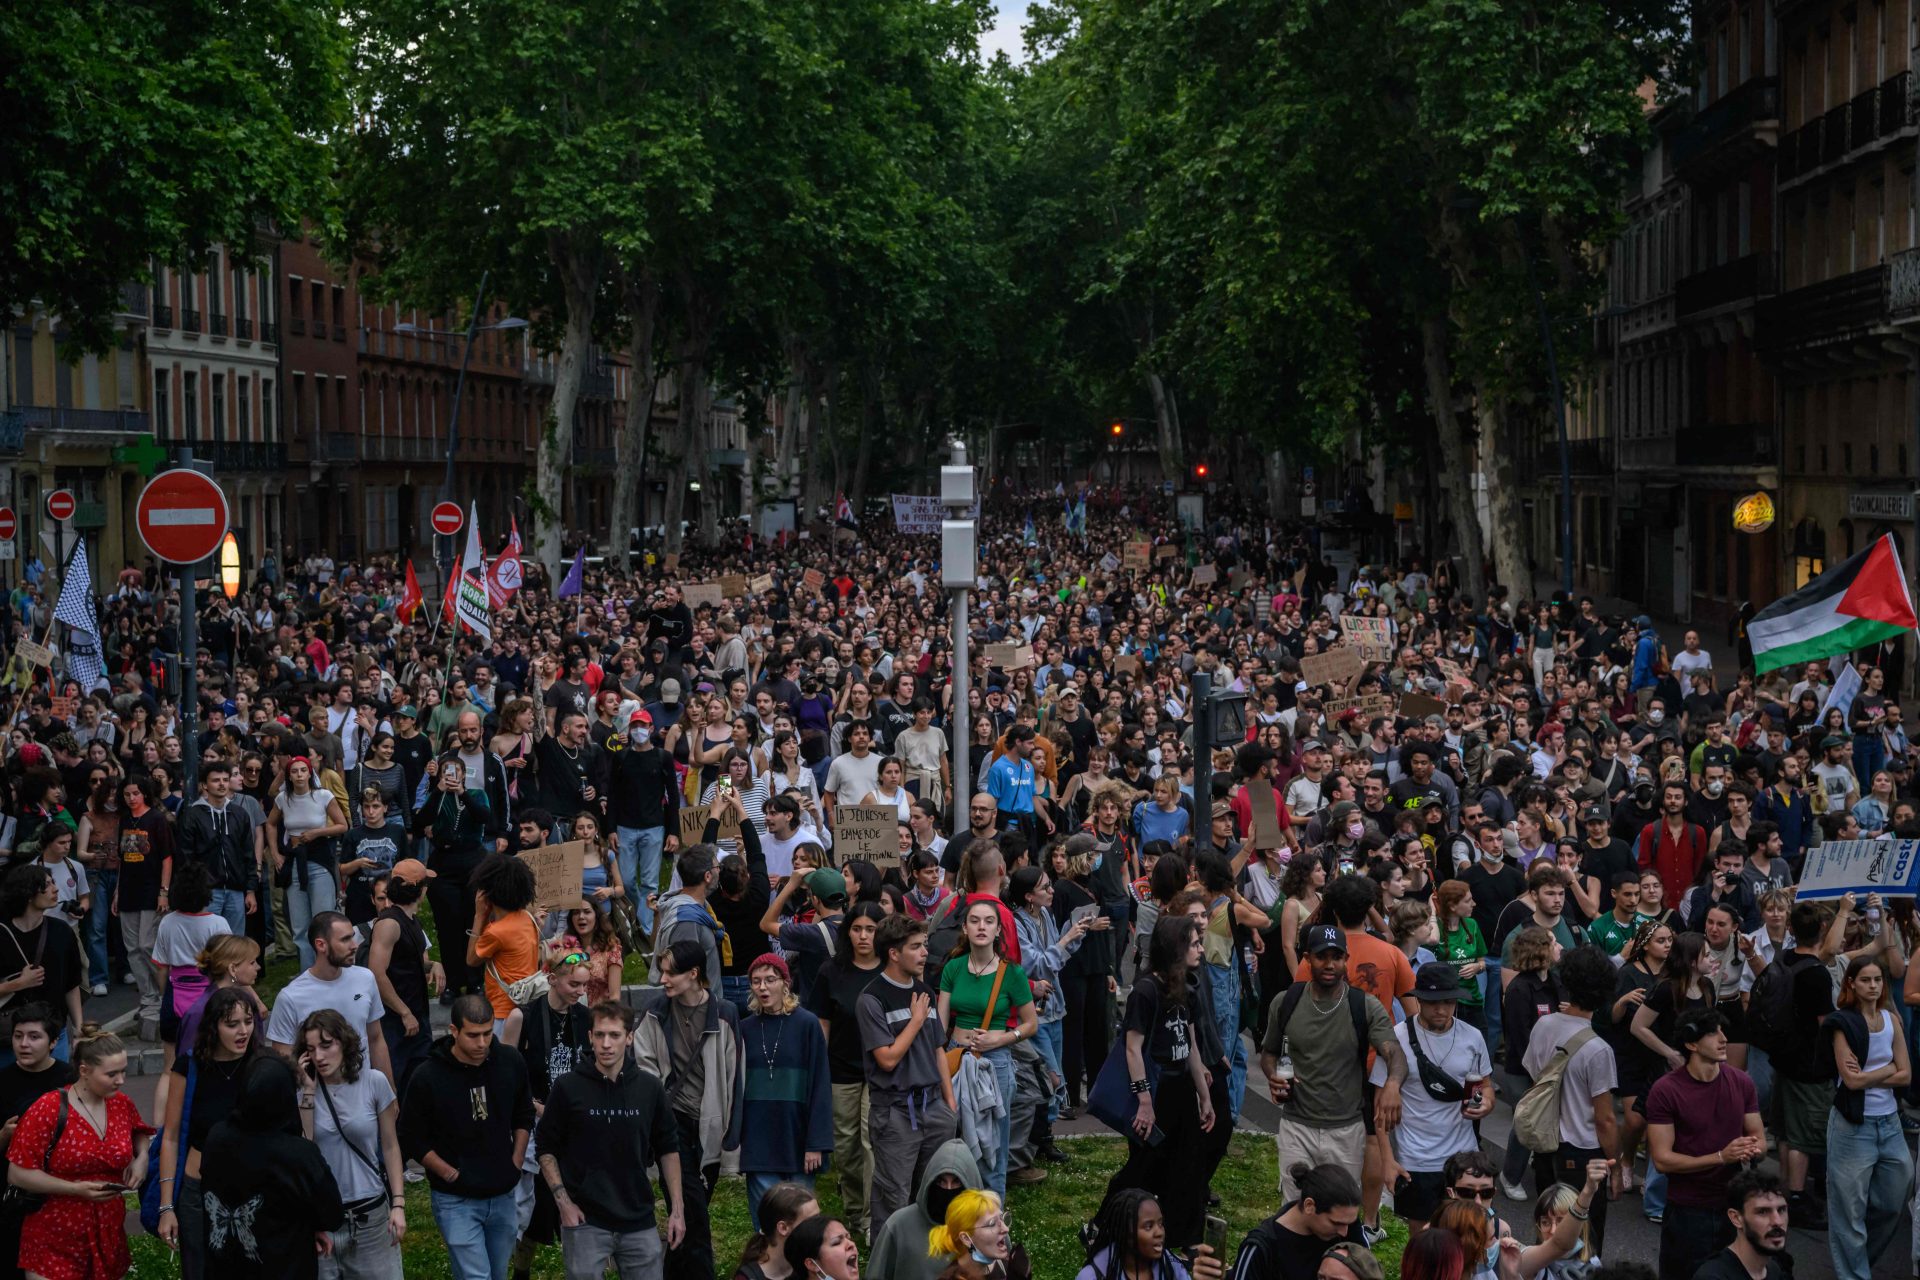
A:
(1317, 938)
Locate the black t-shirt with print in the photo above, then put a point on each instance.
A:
(1167, 1026)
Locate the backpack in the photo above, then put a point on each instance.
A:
(1536, 1117)
(1770, 1005)
(1356, 1008)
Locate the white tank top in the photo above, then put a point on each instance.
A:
(1879, 1099)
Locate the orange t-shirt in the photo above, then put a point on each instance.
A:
(510, 946)
(1377, 967)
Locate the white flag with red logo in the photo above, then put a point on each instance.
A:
(503, 576)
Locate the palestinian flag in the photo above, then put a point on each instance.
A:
(1855, 604)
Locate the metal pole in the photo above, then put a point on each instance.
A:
(189, 669)
(453, 424)
(1202, 711)
(962, 727)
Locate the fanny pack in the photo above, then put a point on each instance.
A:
(1440, 1086)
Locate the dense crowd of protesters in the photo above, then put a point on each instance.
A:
(1514, 853)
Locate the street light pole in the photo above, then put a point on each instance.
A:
(959, 556)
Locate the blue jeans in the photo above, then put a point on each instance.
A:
(1653, 1197)
(479, 1234)
(639, 855)
(738, 991)
(1868, 1169)
(758, 1184)
(1001, 1060)
(231, 906)
(1225, 981)
(1869, 753)
(309, 893)
(1492, 989)
(99, 916)
(1049, 1039)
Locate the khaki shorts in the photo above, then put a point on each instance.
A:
(1803, 1113)
(1304, 1144)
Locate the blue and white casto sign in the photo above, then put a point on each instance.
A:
(1890, 868)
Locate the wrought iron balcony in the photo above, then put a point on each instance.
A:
(1878, 113)
(217, 324)
(130, 422)
(163, 315)
(133, 300)
(1748, 115)
(243, 327)
(269, 332)
(246, 455)
(339, 446)
(190, 319)
(1819, 313)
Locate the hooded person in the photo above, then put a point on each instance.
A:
(685, 915)
(900, 1247)
(268, 1189)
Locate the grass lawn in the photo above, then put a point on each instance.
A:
(1046, 1216)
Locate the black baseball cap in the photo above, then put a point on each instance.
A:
(1317, 938)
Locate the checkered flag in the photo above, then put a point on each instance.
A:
(75, 608)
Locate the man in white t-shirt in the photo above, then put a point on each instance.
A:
(332, 983)
(1587, 978)
(1449, 1087)
(1690, 659)
(855, 773)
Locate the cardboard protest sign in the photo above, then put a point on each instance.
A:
(1337, 666)
(671, 561)
(1266, 817)
(1238, 579)
(1010, 657)
(1126, 664)
(37, 655)
(1109, 562)
(61, 707)
(1453, 671)
(699, 593)
(1165, 551)
(693, 824)
(761, 585)
(1890, 868)
(866, 833)
(814, 580)
(1418, 706)
(1374, 704)
(1206, 574)
(1136, 556)
(1372, 636)
(733, 584)
(556, 874)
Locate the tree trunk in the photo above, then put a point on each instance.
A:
(1166, 418)
(580, 282)
(1510, 565)
(642, 294)
(1457, 465)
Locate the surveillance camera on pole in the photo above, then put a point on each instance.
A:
(959, 573)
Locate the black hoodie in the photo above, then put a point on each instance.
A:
(268, 1190)
(603, 1134)
(467, 1116)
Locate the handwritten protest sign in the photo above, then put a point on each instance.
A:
(699, 593)
(37, 655)
(671, 561)
(1109, 562)
(761, 585)
(1010, 657)
(1372, 636)
(1453, 671)
(814, 580)
(1206, 574)
(1136, 556)
(693, 823)
(61, 707)
(1165, 551)
(866, 833)
(1126, 664)
(556, 874)
(1266, 816)
(1337, 666)
(1373, 704)
(733, 584)
(1890, 868)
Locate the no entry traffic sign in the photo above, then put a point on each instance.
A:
(9, 524)
(61, 505)
(447, 518)
(182, 516)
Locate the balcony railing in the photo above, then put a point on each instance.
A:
(13, 431)
(243, 327)
(130, 422)
(1713, 444)
(216, 324)
(340, 446)
(1878, 113)
(1754, 103)
(190, 319)
(246, 455)
(269, 332)
(597, 384)
(1832, 309)
(133, 300)
(1731, 283)
(1903, 284)
(163, 315)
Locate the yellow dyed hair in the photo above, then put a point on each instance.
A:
(962, 1216)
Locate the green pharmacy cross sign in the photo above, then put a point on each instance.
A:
(143, 455)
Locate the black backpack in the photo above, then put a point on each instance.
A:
(1770, 1005)
(1356, 1009)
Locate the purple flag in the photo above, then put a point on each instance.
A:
(576, 573)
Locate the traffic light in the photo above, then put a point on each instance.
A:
(1200, 471)
(1118, 430)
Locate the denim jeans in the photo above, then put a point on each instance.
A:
(737, 990)
(1001, 1060)
(478, 1232)
(635, 1255)
(1225, 982)
(758, 1184)
(310, 892)
(639, 856)
(231, 906)
(363, 1248)
(101, 884)
(1493, 991)
(1868, 1171)
(1049, 1039)
(1653, 1196)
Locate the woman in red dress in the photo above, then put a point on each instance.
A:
(79, 1232)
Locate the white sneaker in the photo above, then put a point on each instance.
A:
(97, 989)
(1513, 1190)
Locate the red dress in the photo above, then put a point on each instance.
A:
(69, 1239)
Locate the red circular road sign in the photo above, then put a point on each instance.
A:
(60, 504)
(9, 524)
(447, 518)
(182, 516)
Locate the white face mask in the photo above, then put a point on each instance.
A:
(1656, 715)
(639, 736)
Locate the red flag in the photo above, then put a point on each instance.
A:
(410, 599)
(503, 576)
(446, 599)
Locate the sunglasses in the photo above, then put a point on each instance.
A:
(573, 957)
(1484, 1194)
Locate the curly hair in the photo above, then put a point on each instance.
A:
(206, 1040)
(331, 1026)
